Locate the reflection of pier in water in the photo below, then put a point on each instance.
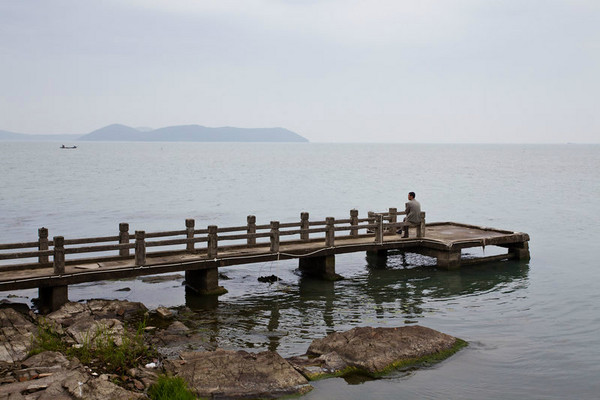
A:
(393, 291)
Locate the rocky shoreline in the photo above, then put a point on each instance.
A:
(110, 349)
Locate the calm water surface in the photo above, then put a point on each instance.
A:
(532, 327)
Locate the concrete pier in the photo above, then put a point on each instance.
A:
(201, 252)
(204, 281)
(319, 267)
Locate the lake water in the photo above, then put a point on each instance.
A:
(533, 327)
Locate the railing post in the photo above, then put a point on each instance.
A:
(421, 227)
(140, 248)
(213, 241)
(274, 236)
(43, 244)
(304, 226)
(354, 222)
(393, 220)
(330, 232)
(379, 228)
(59, 255)
(370, 215)
(124, 238)
(189, 227)
(51, 298)
(251, 229)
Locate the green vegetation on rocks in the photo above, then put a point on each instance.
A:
(114, 354)
(170, 388)
(101, 349)
(47, 338)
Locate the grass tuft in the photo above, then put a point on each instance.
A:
(170, 388)
(46, 339)
(114, 358)
(98, 350)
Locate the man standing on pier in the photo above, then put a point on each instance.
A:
(413, 213)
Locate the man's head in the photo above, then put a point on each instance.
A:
(411, 195)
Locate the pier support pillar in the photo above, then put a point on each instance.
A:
(520, 251)
(320, 267)
(377, 259)
(377, 253)
(204, 281)
(448, 259)
(52, 298)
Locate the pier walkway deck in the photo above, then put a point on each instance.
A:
(314, 243)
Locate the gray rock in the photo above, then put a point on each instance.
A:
(16, 333)
(37, 386)
(236, 374)
(164, 312)
(177, 327)
(87, 330)
(82, 386)
(176, 338)
(372, 350)
(46, 359)
(116, 308)
(71, 312)
(68, 313)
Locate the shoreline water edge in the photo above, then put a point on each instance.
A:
(120, 349)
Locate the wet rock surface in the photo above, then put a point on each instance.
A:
(16, 332)
(177, 338)
(183, 345)
(235, 374)
(371, 350)
(53, 374)
(50, 375)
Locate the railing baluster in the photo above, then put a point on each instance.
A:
(274, 236)
(379, 228)
(304, 226)
(189, 227)
(124, 238)
(330, 233)
(354, 222)
(43, 244)
(59, 255)
(140, 248)
(213, 241)
(393, 219)
(251, 229)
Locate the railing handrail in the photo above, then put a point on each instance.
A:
(375, 224)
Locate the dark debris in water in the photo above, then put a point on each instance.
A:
(223, 276)
(268, 279)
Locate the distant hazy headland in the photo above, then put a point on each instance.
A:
(180, 133)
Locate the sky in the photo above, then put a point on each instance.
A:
(444, 71)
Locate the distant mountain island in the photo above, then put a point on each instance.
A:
(180, 133)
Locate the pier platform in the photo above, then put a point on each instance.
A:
(201, 252)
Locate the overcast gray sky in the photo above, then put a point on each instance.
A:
(331, 70)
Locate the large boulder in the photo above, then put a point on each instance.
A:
(375, 351)
(238, 374)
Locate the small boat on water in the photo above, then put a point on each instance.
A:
(68, 147)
